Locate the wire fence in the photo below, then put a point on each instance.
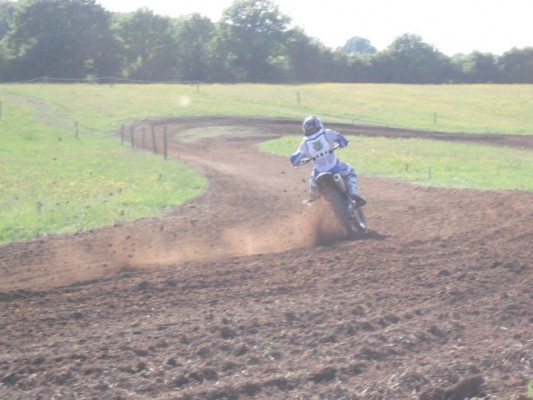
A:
(148, 134)
(145, 136)
(100, 80)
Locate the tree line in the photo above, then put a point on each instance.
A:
(252, 42)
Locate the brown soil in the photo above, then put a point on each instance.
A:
(245, 293)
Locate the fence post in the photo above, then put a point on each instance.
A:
(132, 135)
(153, 139)
(165, 142)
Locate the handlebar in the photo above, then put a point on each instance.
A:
(307, 160)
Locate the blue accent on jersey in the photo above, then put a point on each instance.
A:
(342, 141)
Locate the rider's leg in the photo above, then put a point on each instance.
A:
(313, 189)
(352, 187)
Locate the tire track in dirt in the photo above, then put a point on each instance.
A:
(250, 208)
(253, 205)
(435, 304)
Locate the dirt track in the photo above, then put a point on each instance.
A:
(245, 293)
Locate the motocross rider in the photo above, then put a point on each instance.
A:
(317, 144)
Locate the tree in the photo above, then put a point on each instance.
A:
(7, 10)
(252, 34)
(358, 46)
(303, 53)
(59, 38)
(409, 60)
(149, 46)
(360, 69)
(480, 67)
(195, 35)
(308, 60)
(251, 43)
(517, 65)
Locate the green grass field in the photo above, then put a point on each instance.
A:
(432, 163)
(450, 108)
(54, 182)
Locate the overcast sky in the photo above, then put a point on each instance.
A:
(452, 26)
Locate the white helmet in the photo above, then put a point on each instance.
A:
(311, 125)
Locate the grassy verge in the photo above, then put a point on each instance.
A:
(432, 163)
(53, 182)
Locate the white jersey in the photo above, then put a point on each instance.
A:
(318, 146)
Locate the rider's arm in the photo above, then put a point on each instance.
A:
(336, 138)
(341, 140)
(302, 152)
(295, 158)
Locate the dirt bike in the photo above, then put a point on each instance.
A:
(333, 188)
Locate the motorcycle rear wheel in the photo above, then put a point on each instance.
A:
(351, 216)
(360, 219)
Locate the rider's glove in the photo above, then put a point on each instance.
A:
(295, 158)
(342, 141)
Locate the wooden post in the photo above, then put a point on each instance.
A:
(132, 136)
(165, 142)
(153, 139)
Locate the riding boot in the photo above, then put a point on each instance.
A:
(313, 194)
(351, 186)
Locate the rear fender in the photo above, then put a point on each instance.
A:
(327, 180)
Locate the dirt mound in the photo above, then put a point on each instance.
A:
(246, 293)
